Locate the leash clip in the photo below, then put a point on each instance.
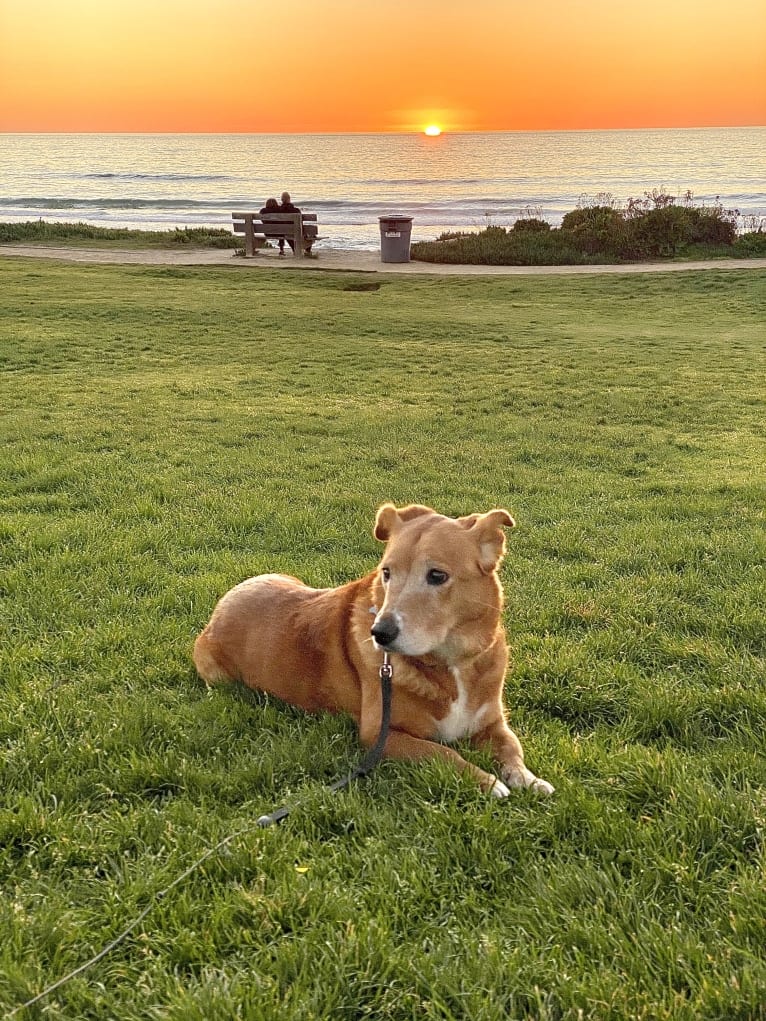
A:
(386, 670)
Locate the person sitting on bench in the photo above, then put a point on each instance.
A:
(288, 207)
(272, 206)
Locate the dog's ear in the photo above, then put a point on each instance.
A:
(389, 518)
(385, 521)
(469, 521)
(491, 538)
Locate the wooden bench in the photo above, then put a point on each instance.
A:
(300, 228)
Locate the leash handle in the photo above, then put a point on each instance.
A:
(371, 759)
(272, 818)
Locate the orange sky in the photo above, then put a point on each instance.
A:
(379, 65)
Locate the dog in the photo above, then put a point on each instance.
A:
(434, 604)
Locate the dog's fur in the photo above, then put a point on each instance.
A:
(434, 603)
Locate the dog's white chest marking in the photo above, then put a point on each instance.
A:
(460, 721)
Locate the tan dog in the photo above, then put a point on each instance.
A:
(434, 604)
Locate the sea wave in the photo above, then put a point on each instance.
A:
(57, 202)
(449, 214)
(157, 177)
(404, 182)
(346, 208)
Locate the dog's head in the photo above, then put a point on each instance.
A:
(437, 590)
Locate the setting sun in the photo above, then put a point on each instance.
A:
(433, 129)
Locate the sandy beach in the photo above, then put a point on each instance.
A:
(341, 261)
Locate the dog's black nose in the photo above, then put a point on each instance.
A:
(385, 631)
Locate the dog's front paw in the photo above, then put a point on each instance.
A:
(520, 776)
(499, 790)
(541, 786)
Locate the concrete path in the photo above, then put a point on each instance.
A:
(340, 260)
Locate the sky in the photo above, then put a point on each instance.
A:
(379, 65)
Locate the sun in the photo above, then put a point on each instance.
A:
(433, 130)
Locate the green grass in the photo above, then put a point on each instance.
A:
(167, 432)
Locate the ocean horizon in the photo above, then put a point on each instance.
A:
(452, 182)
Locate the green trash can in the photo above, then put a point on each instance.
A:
(395, 234)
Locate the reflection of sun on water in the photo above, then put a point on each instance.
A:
(433, 129)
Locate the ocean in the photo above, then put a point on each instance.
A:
(453, 182)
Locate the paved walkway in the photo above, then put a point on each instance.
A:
(340, 260)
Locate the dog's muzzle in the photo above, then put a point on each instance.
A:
(385, 631)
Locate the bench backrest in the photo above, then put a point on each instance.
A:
(271, 224)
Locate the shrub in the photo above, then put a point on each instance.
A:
(710, 226)
(751, 245)
(651, 227)
(595, 230)
(654, 234)
(657, 225)
(497, 247)
(531, 225)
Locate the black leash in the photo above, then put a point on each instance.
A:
(371, 759)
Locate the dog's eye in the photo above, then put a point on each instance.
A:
(385, 573)
(436, 577)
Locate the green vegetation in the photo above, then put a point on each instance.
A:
(43, 232)
(157, 447)
(652, 228)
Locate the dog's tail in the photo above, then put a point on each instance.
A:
(208, 664)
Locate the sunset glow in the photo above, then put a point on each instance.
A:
(433, 130)
(213, 65)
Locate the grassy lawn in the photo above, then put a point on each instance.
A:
(168, 432)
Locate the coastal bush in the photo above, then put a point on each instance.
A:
(595, 229)
(653, 234)
(654, 226)
(497, 247)
(752, 245)
(531, 225)
(657, 225)
(41, 230)
(709, 227)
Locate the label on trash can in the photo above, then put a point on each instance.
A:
(393, 233)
